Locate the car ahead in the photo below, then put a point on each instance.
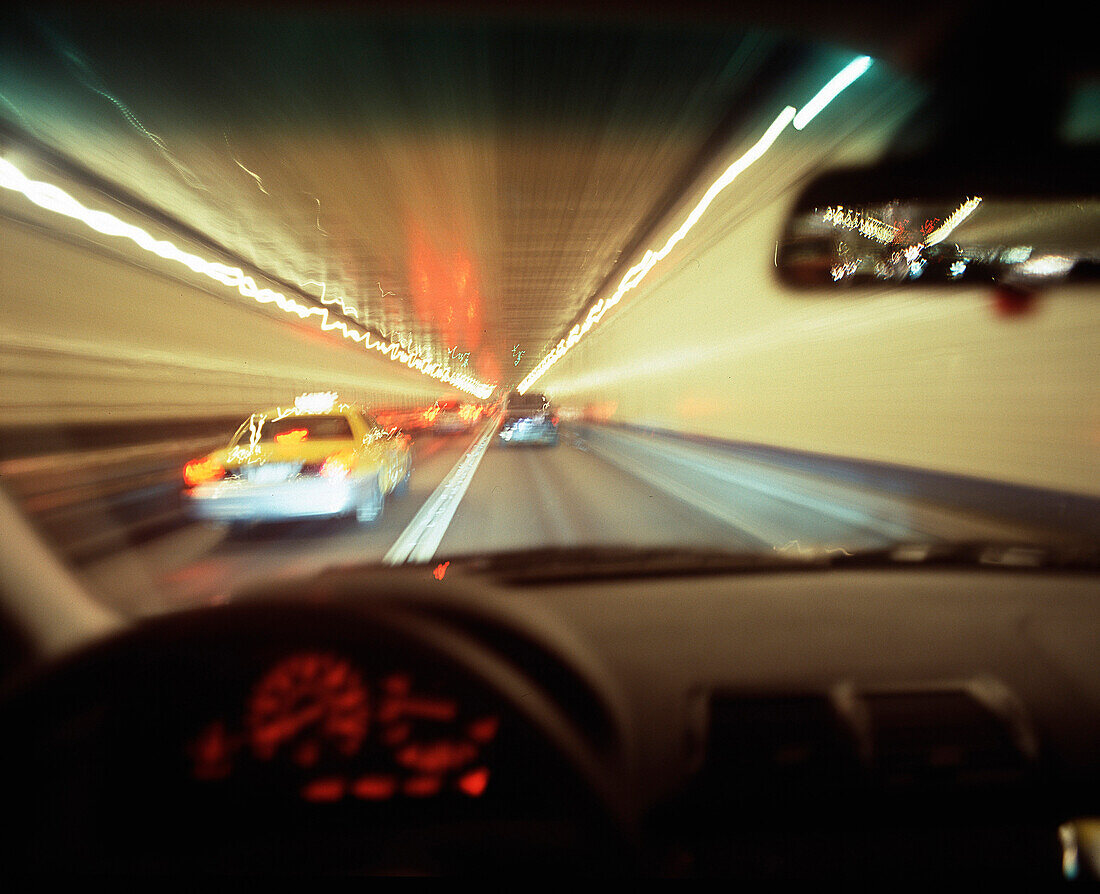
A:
(529, 419)
(450, 416)
(309, 460)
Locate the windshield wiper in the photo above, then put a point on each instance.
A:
(580, 563)
(988, 553)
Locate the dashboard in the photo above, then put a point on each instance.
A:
(276, 736)
(812, 723)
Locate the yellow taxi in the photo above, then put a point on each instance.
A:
(316, 458)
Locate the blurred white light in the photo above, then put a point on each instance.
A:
(636, 274)
(52, 198)
(315, 402)
(1016, 255)
(346, 309)
(847, 75)
(1046, 265)
(867, 226)
(955, 218)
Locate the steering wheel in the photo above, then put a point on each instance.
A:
(325, 731)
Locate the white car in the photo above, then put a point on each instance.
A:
(300, 462)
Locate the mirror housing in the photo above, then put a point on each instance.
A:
(1022, 223)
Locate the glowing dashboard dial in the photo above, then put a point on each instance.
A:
(309, 704)
(341, 735)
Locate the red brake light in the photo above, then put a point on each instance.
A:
(200, 471)
(338, 465)
(293, 436)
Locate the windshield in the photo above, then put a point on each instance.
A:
(210, 211)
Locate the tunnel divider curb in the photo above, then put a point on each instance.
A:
(419, 541)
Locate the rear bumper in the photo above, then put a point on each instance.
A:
(242, 501)
(529, 432)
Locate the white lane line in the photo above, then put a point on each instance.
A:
(419, 541)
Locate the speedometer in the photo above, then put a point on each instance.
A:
(309, 704)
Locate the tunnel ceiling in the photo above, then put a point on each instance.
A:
(464, 186)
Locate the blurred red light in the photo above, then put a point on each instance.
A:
(374, 788)
(398, 684)
(311, 703)
(293, 436)
(429, 708)
(395, 735)
(200, 471)
(423, 786)
(437, 757)
(395, 707)
(475, 782)
(484, 729)
(324, 790)
(211, 753)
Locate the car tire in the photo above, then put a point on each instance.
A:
(370, 510)
(239, 530)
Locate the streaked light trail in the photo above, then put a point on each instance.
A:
(55, 199)
(844, 79)
(953, 220)
(649, 260)
(346, 309)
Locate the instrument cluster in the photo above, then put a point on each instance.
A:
(340, 733)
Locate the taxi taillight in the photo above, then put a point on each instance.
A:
(201, 471)
(338, 465)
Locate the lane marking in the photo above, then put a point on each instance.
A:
(419, 541)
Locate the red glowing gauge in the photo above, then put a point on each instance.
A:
(310, 706)
(434, 743)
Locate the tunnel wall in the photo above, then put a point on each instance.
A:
(92, 335)
(711, 344)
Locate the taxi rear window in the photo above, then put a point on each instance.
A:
(296, 429)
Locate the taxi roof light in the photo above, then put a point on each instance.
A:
(316, 401)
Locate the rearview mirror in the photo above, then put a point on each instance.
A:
(933, 222)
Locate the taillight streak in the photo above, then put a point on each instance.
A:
(201, 471)
(338, 465)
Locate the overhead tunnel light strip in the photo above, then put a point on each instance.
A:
(55, 199)
(650, 259)
(844, 79)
